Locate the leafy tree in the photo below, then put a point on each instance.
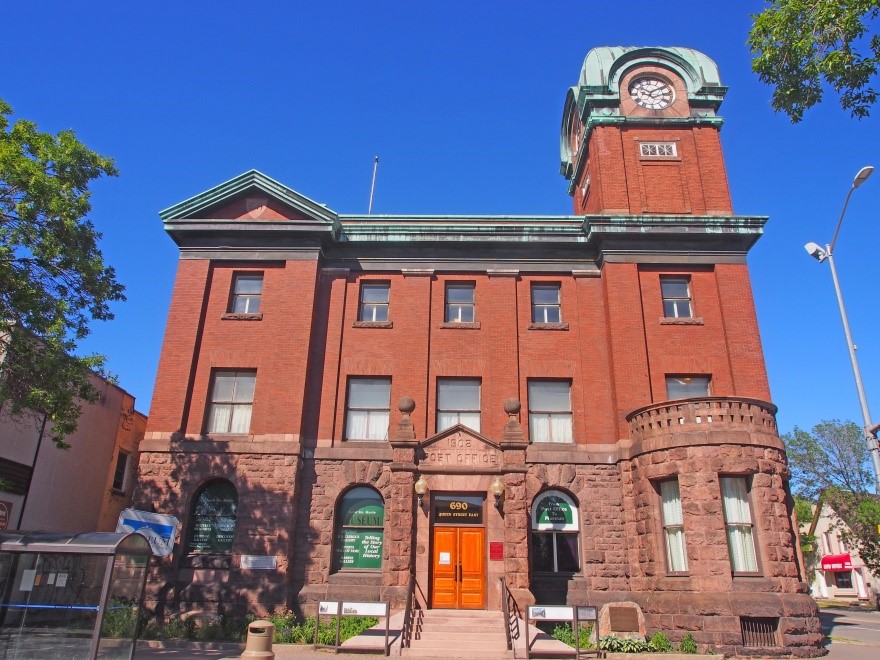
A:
(832, 464)
(800, 46)
(53, 280)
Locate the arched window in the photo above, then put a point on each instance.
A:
(360, 530)
(212, 524)
(555, 533)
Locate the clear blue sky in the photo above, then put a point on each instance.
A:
(462, 101)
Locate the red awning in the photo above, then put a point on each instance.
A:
(837, 563)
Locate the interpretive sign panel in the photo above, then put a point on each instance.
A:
(365, 609)
(328, 607)
(359, 548)
(551, 613)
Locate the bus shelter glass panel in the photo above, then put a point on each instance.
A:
(80, 602)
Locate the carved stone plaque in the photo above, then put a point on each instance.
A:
(460, 450)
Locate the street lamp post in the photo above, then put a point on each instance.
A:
(821, 254)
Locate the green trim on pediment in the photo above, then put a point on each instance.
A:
(236, 186)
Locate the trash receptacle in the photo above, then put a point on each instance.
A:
(259, 640)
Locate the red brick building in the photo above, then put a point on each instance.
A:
(582, 399)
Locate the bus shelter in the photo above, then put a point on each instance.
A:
(71, 595)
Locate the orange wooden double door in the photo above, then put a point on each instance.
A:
(459, 568)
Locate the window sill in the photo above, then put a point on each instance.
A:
(694, 320)
(548, 326)
(747, 575)
(372, 324)
(233, 316)
(456, 325)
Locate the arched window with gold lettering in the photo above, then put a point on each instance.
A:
(555, 533)
(359, 530)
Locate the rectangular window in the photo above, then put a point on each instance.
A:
(685, 387)
(550, 411)
(232, 400)
(374, 301)
(121, 470)
(545, 304)
(459, 303)
(658, 149)
(458, 402)
(673, 527)
(369, 405)
(676, 293)
(843, 580)
(247, 289)
(738, 522)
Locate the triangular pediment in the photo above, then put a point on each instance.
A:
(459, 447)
(251, 196)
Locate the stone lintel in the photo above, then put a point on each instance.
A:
(290, 448)
(403, 467)
(361, 451)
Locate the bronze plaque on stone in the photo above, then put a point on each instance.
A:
(623, 619)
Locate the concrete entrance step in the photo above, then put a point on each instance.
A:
(459, 634)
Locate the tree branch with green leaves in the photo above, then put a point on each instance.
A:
(802, 47)
(53, 279)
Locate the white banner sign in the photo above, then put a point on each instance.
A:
(160, 530)
(551, 613)
(365, 609)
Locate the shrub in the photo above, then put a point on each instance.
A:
(687, 644)
(290, 630)
(660, 642)
(563, 633)
(615, 644)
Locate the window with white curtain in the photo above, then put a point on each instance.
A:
(232, 400)
(673, 527)
(458, 402)
(738, 522)
(369, 404)
(550, 411)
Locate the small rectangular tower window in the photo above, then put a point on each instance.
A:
(458, 402)
(676, 293)
(232, 401)
(545, 304)
(658, 149)
(374, 301)
(247, 290)
(550, 411)
(369, 406)
(460, 302)
(738, 522)
(685, 387)
(673, 527)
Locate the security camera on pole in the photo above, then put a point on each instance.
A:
(818, 252)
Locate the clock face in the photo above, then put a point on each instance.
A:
(651, 93)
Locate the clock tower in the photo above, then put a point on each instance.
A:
(640, 134)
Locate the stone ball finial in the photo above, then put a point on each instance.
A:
(512, 406)
(406, 405)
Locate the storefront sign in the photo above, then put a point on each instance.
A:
(496, 551)
(554, 511)
(837, 563)
(458, 510)
(259, 562)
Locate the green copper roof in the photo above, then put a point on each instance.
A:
(603, 67)
(235, 187)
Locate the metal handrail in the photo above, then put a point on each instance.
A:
(406, 632)
(511, 616)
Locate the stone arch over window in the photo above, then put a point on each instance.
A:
(359, 530)
(212, 521)
(555, 533)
